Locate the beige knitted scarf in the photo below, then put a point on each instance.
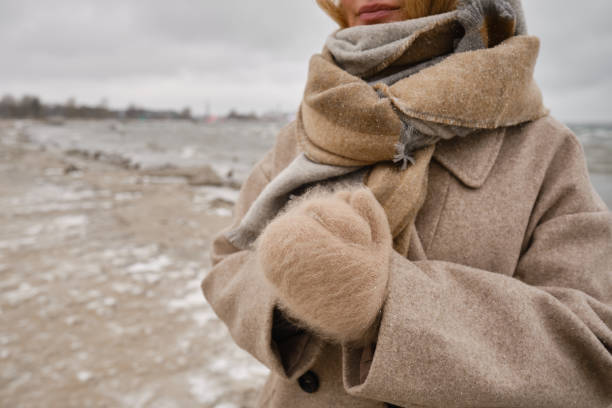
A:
(481, 78)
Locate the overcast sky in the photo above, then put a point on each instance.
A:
(248, 55)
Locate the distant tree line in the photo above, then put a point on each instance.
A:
(30, 106)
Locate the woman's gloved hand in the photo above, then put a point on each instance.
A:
(328, 258)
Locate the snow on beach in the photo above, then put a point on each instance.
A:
(105, 233)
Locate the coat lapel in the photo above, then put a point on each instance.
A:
(471, 158)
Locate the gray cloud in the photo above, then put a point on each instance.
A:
(575, 64)
(249, 55)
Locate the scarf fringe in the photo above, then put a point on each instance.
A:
(402, 158)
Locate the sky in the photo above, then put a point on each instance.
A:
(248, 55)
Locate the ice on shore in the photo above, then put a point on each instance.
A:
(228, 147)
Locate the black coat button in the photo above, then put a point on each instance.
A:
(309, 382)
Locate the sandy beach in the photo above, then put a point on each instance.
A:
(100, 304)
(102, 250)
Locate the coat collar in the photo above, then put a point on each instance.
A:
(471, 158)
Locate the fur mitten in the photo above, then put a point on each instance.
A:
(328, 258)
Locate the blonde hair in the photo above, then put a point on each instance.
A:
(411, 9)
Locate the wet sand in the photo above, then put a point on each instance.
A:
(100, 304)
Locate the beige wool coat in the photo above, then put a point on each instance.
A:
(504, 300)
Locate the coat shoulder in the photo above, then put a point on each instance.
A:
(546, 147)
(558, 161)
(550, 133)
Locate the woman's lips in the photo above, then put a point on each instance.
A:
(372, 13)
(375, 16)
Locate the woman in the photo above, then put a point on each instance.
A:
(455, 254)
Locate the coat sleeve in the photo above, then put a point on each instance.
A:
(456, 336)
(240, 295)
